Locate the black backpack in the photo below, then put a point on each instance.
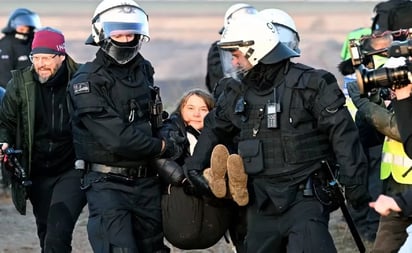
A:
(392, 15)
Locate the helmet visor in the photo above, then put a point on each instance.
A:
(234, 45)
(241, 12)
(124, 20)
(120, 28)
(288, 37)
(31, 20)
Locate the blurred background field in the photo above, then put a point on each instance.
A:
(181, 33)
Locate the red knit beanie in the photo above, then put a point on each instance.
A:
(48, 41)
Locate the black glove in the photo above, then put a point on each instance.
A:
(201, 187)
(190, 189)
(358, 196)
(169, 171)
(174, 146)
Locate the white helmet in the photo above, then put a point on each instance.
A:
(236, 11)
(285, 26)
(256, 38)
(112, 17)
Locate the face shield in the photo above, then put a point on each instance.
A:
(240, 12)
(234, 62)
(288, 37)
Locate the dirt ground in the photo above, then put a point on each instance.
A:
(181, 33)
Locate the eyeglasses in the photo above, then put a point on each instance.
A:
(45, 59)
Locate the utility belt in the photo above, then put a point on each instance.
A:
(126, 176)
(131, 173)
(323, 187)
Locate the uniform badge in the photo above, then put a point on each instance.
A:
(81, 88)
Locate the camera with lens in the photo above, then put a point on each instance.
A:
(393, 78)
(362, 50)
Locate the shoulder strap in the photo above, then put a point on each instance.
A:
(294, 73)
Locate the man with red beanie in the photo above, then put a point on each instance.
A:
(34, 118)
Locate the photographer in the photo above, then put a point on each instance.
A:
(402, 107)
(366, 220)
(400, 203)
(394, 170)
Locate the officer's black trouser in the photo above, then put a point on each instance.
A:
(57, 203)
(124, 217)
(302, 228)
(238, 228)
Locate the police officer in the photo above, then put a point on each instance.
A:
(395, 165)
(15, 46)
(214, 70)
(288, 119)
(111, 102)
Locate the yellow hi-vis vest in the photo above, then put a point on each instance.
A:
(395, 162)
(351, 107)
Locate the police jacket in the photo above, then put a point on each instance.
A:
(404, 118)
(14, 54)
(34, 117)
(111, 117)
(313, 124)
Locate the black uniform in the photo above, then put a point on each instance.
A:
(280, 152)
(112, 134)
(14, 54)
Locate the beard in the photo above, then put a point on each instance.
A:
(43, 79)
(45, 76)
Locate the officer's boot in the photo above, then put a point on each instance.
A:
(216, 174)
(237, 180)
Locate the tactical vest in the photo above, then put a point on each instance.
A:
(130, 99)
(290, 148)
(395, 162)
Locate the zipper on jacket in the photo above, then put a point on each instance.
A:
(61, 117)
